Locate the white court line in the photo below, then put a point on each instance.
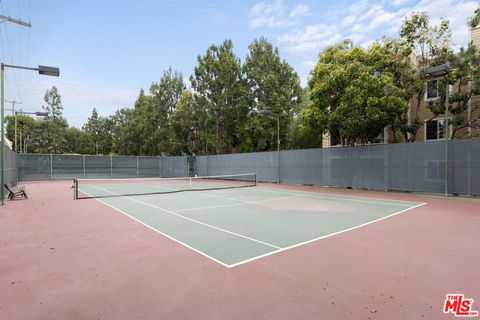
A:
(260, 256)
(158, 231)
(322, 237)
(238, 204)
(189, 219)
(353, 198)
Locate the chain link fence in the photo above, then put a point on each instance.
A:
(35, 167)
(417, 167)
(10, 172)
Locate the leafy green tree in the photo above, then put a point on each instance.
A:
(220, 91)
(301, 134)
(350, 96)
(185, 137)
(475, 20)
(54, 126)
(141, 127)
(429, 46)
(397, 59)
(465, 76)
(274, 87)
(121, 138)
(79, 141)
(166, 95)
(25, 126)
(53, 103)
(99, 129)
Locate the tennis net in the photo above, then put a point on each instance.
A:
(103, 188)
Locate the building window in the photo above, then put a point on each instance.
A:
(432, 90)
(434, 129)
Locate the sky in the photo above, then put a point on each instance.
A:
(108, 50)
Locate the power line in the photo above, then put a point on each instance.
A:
(4, 18)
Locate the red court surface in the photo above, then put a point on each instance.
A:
(80, 259)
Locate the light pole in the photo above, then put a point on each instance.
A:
(38, 114)
(436, 72)
(44, 70)
(268, 112)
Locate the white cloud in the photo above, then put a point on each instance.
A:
(349, 20)
(299, 11)
(365, 21)
(398, 3)
(311, 38)
(276, 14)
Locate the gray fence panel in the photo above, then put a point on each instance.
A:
(426, 166)
(176, 166)
(302, 166)
(265, 164)
(464, 165)
(201, 163)
(33, 167)
(418, 167)
(405, 166)
(67, 166)
(98, 167)
(149, 166)
(124, 167)
(10, 168)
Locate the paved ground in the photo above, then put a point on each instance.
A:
(66, 259)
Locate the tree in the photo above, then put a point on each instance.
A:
(54, 126)
(79, 141)
(53, 101)
(301, 134)
(397, 59)
(99, 129)
(25, 126)
(427, 46)
(121, 138)
(185, 138)
(274, 86)
(351, 97)
(465, 76)
(220, 91)
(166, 95)
(475, 20)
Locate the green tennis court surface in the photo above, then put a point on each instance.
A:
(234, 226)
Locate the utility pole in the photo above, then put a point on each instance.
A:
(2, 104)
(13, 102)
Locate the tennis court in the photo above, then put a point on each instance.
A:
(144, 249)
(230, 219)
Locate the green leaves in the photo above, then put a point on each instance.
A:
(99, 132)
(354, 93)
(273, 86)
(220, 91)
(475, 20)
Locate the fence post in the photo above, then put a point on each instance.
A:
(137, 166)
(16, 166)
(278, 166)
(84, 171)
(159, 166)
(51, 166)
(111, 167)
